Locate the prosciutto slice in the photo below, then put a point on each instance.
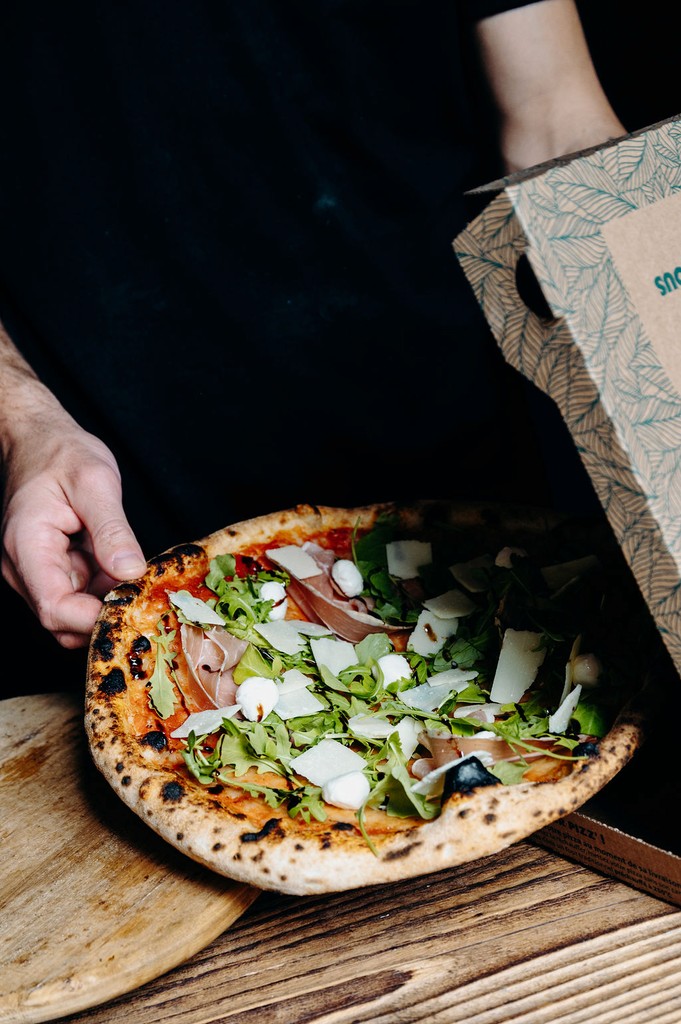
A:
(210, 655)
(320, 600)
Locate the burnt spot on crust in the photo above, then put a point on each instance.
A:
(217, 846)
(120, 767)
(404, 851)
(126, 780)
(179, 836)
(141, 644)
(122, 595)
(172, 792)
(103, 642)
(466, 777)
(270, 828)
(174, 558)
(154, 739)
(113, 683)
(343, 826)
(489, 819)
(216, 790)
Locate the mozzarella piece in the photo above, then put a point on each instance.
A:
(256, 697)
(405, 557)
(294, 560)
(504, 557)
(452, 604)
(560, 719)
(333, 654)
(430, 633)
(282, 635)
(348, 577)
(272, 590)
(393, 667)
(194, 609)
(586, 669)
(326, 760)
(203, 722)
(348, 791)
(517, 667)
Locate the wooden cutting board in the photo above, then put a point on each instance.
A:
(93, 902)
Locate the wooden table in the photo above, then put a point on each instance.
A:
(524, 937)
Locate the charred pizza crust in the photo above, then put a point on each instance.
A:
(240, 836)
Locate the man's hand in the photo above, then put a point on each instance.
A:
(65, 537)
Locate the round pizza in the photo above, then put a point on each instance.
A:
(322, 698)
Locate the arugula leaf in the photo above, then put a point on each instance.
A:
(161, 690)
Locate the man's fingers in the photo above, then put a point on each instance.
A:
(107, 531)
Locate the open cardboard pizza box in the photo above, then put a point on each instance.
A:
(600, 232)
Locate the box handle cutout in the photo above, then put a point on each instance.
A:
(530, 291)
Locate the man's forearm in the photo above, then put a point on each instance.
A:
(25, 401)
(544, 83)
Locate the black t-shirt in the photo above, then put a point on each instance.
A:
(225, 243)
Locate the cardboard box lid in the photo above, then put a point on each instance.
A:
(601, 231)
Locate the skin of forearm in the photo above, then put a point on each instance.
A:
(27, 408)
(543, 83)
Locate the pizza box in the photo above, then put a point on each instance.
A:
(576, 264)
(629, 830)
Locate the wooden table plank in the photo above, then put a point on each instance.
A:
(83, 882)
(524, 937)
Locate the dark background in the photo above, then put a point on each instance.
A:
(637, 61)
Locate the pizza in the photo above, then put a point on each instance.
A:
(320, 699)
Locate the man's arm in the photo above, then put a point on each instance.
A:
(66, 539)
(543, 83)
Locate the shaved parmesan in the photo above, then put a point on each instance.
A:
(371, 727)
(430, 633)
(472, 574)
(295, 703)
(292, 680)
(428, 696)
(452, 604)
(432, 783)
(405, 557)
(311, 628)
(203, 722)
(294, 560)
(517, 667)
(333, 654)
(560, 719)
(326, 760)
(557, 576)
(282, 635)
(408, 730)
(456, 678)
(194, 609)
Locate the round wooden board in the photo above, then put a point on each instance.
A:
(94, 904)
